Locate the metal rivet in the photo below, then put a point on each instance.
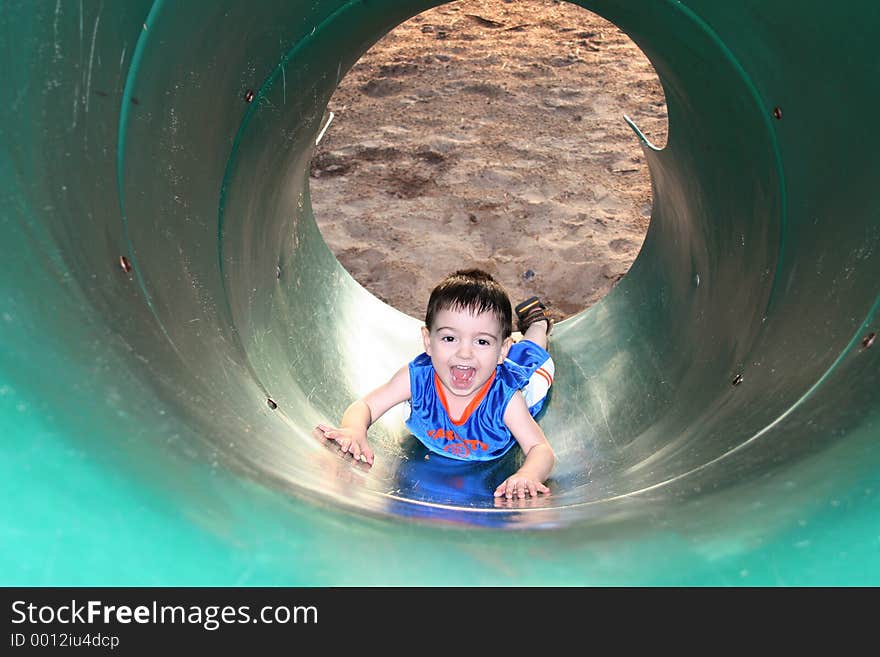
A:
(777, 112)
(278, 272)
(249, 95)
(271, 403)
(737, 379)
(869, 340)
(125, 264)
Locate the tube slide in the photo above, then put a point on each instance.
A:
(172, 324)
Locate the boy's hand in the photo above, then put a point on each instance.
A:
(350, 441)
(518, 485)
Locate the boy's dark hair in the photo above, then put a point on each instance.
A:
(473, 290)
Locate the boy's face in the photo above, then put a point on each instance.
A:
(465, 349)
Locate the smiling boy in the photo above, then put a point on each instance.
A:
(473, 393)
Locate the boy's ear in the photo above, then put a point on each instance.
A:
(506, 344)
(426, 338)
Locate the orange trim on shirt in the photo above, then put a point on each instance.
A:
(470, 407)
(545, 374)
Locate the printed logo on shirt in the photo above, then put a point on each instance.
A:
(456, 444)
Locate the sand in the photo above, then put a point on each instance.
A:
(491, 134)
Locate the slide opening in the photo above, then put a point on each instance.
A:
(425, 166)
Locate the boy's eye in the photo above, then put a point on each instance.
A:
(447, 338)
(483, 342)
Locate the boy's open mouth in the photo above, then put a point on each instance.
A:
(462, 376)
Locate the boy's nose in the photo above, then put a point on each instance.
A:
(464, 349)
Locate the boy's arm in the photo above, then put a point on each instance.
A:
(540, 457)
(361, 414)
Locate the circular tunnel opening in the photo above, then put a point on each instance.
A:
(491, 135)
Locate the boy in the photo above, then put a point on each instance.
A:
(473, 394)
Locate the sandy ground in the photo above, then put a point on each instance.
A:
(491, 134)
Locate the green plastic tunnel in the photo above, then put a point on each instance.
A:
(162, 278)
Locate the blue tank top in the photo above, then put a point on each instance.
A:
(480, 435)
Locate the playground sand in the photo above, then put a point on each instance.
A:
(491, 134)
